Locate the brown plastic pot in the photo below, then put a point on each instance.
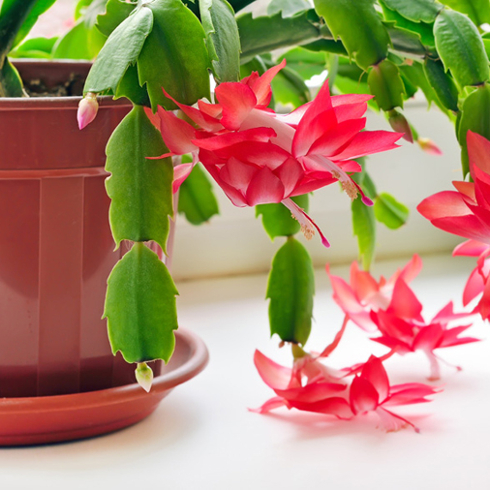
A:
(56, 248)
(57, 418)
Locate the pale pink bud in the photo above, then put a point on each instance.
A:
(87, 110)
(400, 125)
(144, 376)
(429, 146)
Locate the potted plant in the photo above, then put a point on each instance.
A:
(158, 55)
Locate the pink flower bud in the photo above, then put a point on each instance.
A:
(400, 125)
(87, 110)
(429, 146)
(144, 376)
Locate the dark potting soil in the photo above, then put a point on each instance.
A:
(35, 87)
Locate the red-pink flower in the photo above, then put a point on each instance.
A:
(257, 156)
(478, 282)
(403, 332)
(365, 294)
(309, 381)
(370, 391)
(466, 211)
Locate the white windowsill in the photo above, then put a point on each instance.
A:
(202, 436)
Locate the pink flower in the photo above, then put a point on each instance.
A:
(257, 156)
(87, 110)
(365, 294)
(466, 211)
(403, 329)
(478, 282)
(309, 381)
(370, 391)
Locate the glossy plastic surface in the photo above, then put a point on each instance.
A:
(56, 249)
(39, 420)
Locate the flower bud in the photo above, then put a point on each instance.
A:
(399, 123)
(87, 110)
(429, 146)
(144, 376)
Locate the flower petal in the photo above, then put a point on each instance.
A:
(471, 248)
(311, 393)
(374, 372)
(219, 142)
(264, 188)
(428, 338)
(363, 284)
(392, 422)
(238, 174)
(404, 303)
(290, 172)
(333, 406)
(271, 404)
(363, 396)
(262, 85)
(176, 133)
(273, 375)
(443, 204)
(318, 118)
(368, 142)
(478, 151)
(332, 141)
(237, 100)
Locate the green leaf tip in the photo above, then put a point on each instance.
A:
(140, 307)
(291, 289)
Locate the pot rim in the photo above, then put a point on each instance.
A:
(20, 103)
(197, 360)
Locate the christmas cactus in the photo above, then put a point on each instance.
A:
(160, 54)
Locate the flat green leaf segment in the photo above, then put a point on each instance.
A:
(38, 47)
(263, 34)
(424, 31)
(386, 85)
(222, 39)
(12, 16)
(121, 49)
(140, 189)
(442, 84)
(364, 221)
(287, 7)
(305, 62)
(174, 56)
(477, 10)
(140, 307)
(79, 43)
(290, 290)
(475, 116)
(461, 48)
(415, 10)
(115, 13)
(389, 211)
(10, 82)
(196, 198)
(18, 18)
(277, 219)
(359, 27)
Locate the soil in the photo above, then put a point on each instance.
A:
(72, 87)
